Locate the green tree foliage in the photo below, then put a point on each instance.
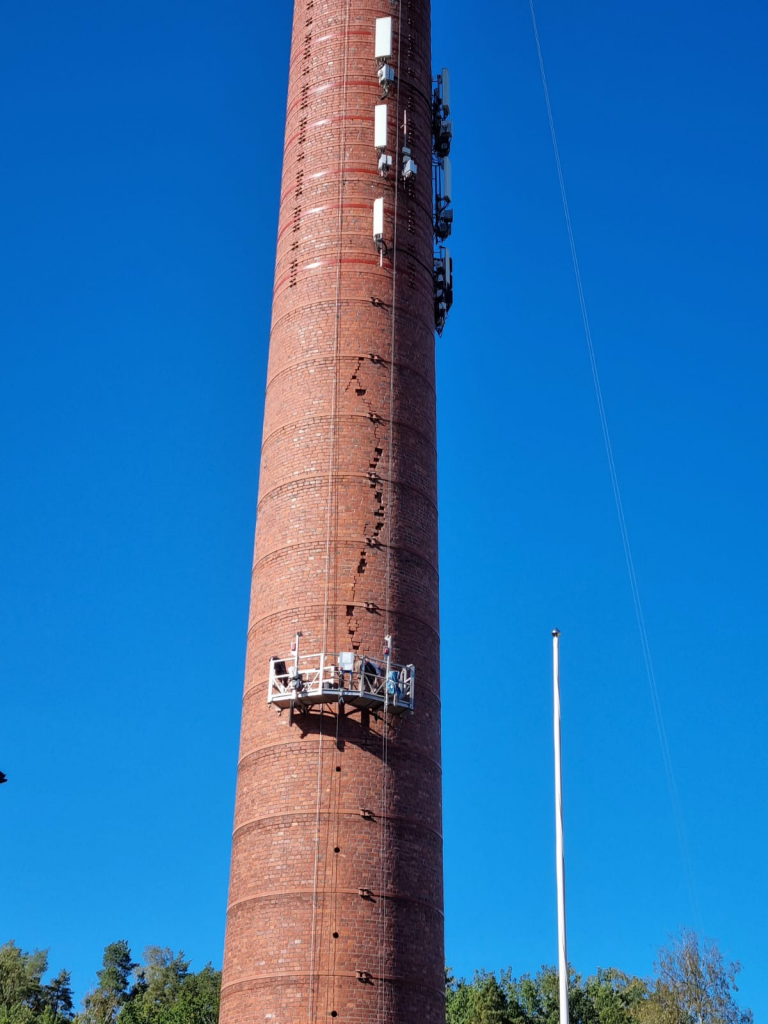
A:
(695, 984)
(158, 983)
(615, 996)
(102, 1004)
(58, 996)
(166, 992)
(24, 999)
(484, 1001)
(159, 990)
(608, 997)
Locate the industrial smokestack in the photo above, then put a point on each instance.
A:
(336, 891)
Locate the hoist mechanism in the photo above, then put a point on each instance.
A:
(348, 678)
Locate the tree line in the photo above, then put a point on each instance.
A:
(693, 983)
(160, 989)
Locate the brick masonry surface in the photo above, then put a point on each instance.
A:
(333, 914)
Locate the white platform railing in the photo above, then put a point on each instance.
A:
(346, 678)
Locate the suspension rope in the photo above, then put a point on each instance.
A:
(387, 624)
(331, 501)
(392, 341)
(634, 587)
(333, 454)
(332, 839)
(382, 858)
(314, 876)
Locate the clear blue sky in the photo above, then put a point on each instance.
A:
(141, 151)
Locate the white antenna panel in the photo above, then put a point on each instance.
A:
(383, 38)
(378, 217)
(446, 77)
(380, 126)
(447, 180)
(448, 268)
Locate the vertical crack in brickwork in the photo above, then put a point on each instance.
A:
(376, 519)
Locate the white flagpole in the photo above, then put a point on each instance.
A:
(560, 853)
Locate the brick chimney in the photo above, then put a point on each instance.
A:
(336, 890)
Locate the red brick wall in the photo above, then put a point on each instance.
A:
(348, 489)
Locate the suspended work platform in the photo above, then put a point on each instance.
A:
(303, 680)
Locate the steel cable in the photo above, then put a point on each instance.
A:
(634, 587)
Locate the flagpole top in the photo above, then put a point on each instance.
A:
(555, 632)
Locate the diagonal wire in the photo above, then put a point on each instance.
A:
(644, 643)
